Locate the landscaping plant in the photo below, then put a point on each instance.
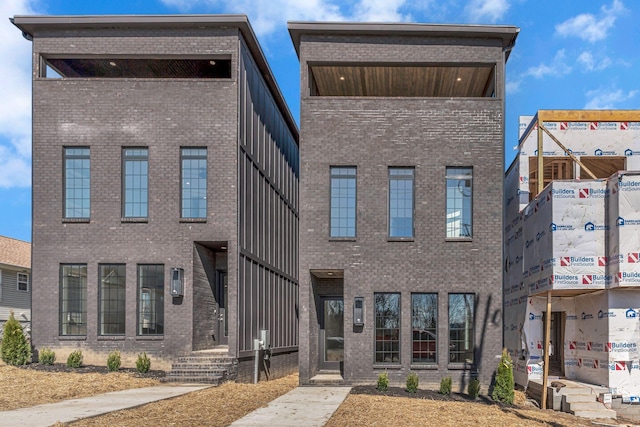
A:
(412, 382)
(474, 388)
(383, 381)
(143, 364)
(503, 388)
(16, 349)
(113, 361)
(47, 356)
(75, 359)
(445, 386)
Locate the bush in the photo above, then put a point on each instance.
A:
(383, 381)
(143, 364)
(412, 382)
(113, 361)
(47, 356)
(16, 349)
(503, 388)
(445, 386)
(75, 359)
(474, 388)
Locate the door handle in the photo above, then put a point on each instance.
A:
(221, 317)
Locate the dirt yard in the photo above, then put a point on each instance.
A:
(220, 406)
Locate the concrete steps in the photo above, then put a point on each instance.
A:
(574, 398)
(327, 378)
(204, 368)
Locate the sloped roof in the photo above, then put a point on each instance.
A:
(15, 252)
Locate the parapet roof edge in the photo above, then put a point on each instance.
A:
(507, 33)
(29, 23)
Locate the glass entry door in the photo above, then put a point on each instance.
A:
(332, 333)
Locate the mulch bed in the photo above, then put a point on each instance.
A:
(419, 394)
(90, 369)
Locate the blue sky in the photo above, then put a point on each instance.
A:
(569, 55)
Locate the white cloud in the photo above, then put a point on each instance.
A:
(590, 63)
(589, 27)
(265, 20)
(513, 86)
(607, 98)
(15, 91)
(557, 67)
(487, 10)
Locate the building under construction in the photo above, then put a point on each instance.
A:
(572, 239)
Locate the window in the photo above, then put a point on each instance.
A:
(136, 182)
(424, 318)
(343, 202)
(401, 202)
(73, 299)
(150, 299)
(194, 182)
(77, 183)
(461, 322)
(111, 295)
(459, 194)
(23, 282)
(387, 312)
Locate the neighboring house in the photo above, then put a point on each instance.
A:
(15, 281)
(573, 242)
(165, 190)
(402, 163)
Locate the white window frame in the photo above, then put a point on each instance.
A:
(18, 282)
(0, 285)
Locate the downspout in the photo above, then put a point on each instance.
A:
(256, 365)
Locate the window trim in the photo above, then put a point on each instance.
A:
(355, 208)
(206, 182)
(472, 329)
(100, 310)
(407, 177)
(446, 207)
(125, 217)
(399, 331)
(139, 288)
(436, 330)
(65, 157)
(18, 281)
(84, 308)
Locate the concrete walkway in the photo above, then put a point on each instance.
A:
(75, 409)
(302, 406)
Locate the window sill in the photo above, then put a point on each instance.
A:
(459, 366)
(193, 220)
(342, 239)
(111, 337)
(400, 239)
(72, 337)
(458, 239)
(149, 337)
(76, 220)
(425, 367)
(142, 220)
(389, 366)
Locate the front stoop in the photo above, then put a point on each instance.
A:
(203, 367)
(327, 378)
(574, 398)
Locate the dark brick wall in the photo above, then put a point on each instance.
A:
(279, 365)
(428, 134)
(106, 115)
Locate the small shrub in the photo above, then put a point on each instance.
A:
(503, 388)
(47, 356)
(113, 361)
(16, 349)
(143, 364)
(75, 359)
(412, 382)
(383, 381)
(445, 386)
(474, 388)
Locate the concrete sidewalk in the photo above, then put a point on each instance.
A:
(302, 406)
(75, 409)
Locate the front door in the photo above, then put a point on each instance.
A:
(222, 293)
(331, 333)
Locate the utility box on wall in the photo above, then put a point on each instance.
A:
(177, 282)
(358, 311)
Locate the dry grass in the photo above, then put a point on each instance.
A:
(217, 406)
(21, 388)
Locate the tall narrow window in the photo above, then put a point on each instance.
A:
(150, 299)
(459, 196)
(194, 182)
(111, 305)
(136, 182)
(401, 202)
(461, 326)
(387, 312)
(77, 183)
(23, 282)
(424, 318)
(73, 299)
(343, 202)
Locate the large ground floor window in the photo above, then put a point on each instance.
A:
(461, 322)
(424, 322)
(73, 299)
(151, 299)
(387, 313)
